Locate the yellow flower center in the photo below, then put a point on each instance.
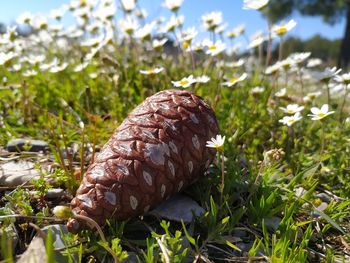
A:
(231, 34)
(210, 21)
(281, 30)
(185, 44)
(219, 147)
(233, 80)
(212, 47)
(184, 82)
(321, 115)
(82, 3)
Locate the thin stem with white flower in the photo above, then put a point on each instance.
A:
(322, 139)
(328, 94)
(222, 173)
(343, 103)
(301, 81)
(269, 45)
(280, 50)
(218, 144)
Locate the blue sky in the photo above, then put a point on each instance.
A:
(192, 9)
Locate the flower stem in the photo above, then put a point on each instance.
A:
(291, 148)
(269, 45)
(343, 103)
(222, 172)
(280, 49)
(222, 186)
(290, 141)
(260, 49)
(301, 81)
(328, 94)
(322, 140)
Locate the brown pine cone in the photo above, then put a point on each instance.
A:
(157, 151)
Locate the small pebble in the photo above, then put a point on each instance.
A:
(54, 193)
(18, 145)
(15, 173)
(178, 208)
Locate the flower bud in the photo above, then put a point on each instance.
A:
(62, 212)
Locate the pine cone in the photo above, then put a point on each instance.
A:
(157, 151)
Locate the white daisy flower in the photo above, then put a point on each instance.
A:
(255, 4)
(233, 81)
(217, 142)
(270, 70)
(184, 82)
(320, 113)
(212, 20)
(144, 32)
(257, 90)
(344, 78)
(128, 25)
(237, 31)
(326, 75)
(290, 120)
(256, 40)
(153, 71)
(281, 93)
(29, 73)
(311, 96)
(173, 5)
(313, 62)
(158, 43)
(202, 79)
(25, 18)
(174, 22)
(283, 28)
(128, 5)
(214, 49)
(6, 57)
(292, 108)
(299, 57)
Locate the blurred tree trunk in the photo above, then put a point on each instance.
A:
(344, 54)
